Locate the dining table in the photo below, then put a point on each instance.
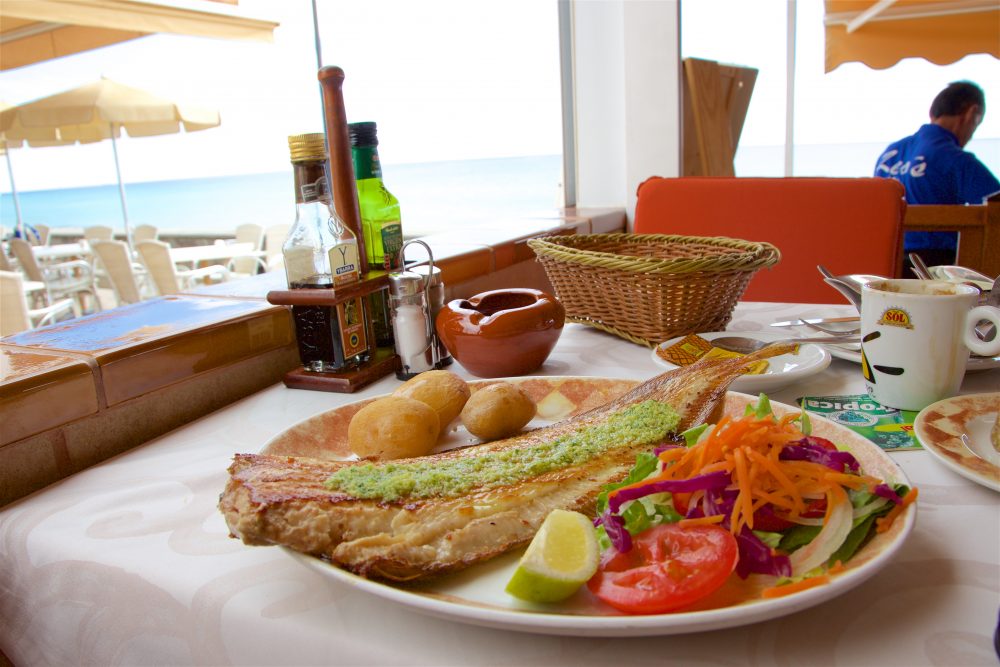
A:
(61, 251)
(216, 252)
(131, 561)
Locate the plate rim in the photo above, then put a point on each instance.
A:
(556, 624)
(919, 424)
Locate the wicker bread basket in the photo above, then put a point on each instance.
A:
(648, 288)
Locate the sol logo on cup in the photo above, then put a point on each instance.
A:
(896, 317)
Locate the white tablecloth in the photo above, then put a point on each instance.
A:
(130, 562)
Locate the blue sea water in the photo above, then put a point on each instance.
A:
(434, 196)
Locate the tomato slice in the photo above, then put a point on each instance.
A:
(668, 567)
(681, 502)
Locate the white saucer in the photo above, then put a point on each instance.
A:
(974, 364)
(782, 370)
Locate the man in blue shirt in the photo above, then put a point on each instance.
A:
(934, 169)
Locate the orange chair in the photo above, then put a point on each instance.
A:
(849, 225)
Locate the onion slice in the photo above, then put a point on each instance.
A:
(839, 520)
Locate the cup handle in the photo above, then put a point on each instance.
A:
(982, 347)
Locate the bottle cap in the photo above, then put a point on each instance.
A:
(363, 134)
(307, 147)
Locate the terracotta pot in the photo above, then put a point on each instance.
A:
(501, 333)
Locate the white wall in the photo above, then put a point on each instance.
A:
(626, 97)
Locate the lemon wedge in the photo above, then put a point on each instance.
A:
(562, 556)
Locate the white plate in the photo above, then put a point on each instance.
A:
(782, 370)
(974, 364)
(476, 595)
(940, 427)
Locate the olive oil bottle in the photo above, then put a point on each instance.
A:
(380, 217)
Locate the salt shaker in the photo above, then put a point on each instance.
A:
(412, 324)
(435, 299)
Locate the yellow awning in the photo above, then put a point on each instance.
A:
(32, 31)
(879, 33)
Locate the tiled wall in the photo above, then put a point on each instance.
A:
(76, 393)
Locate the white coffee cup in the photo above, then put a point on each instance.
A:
(915, 339)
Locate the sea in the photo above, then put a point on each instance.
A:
(434, 197)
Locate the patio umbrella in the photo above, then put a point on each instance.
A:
(99, 111)
(39, 138)
(37, 30)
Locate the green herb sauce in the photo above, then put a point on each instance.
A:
(644, 423)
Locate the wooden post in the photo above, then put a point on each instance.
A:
(345, 191)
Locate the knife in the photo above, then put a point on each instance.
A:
(819, 320)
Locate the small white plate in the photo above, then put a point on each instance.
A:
(940, 427)
(782, 370)
(974, 364)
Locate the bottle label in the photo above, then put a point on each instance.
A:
(352, 327)
(366, 162)
(344, 263)
(392, 241)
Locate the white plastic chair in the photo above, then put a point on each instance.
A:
(244, 267)
(16, 316)
(98, 233)
(65, 279)
(274, 239)
(145, 233)
(166, 277)
(43, 234)
(30, 286)
(124, 274)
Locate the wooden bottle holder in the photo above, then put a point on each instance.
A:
(383, 360)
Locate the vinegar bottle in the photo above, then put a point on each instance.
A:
(321, 252)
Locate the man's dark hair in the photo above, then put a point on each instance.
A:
(957, 98)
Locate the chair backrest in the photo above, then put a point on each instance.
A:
(248, 233)
(98, 233)
(26, 258)
(117, 261)
(5, 264)
(145, 233)
(978, 230)
(43, 234)
(274, 239)
(849, 225)
(13, 304)
(156, 256)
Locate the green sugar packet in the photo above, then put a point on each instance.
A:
(889, 428)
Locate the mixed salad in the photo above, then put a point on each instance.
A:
(753, 494)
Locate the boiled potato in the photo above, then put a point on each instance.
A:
(393, 427)
(444, 391)
(497, 411)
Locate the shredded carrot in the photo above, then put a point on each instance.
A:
(701, 521)
(787, 589)
(836, 568)
(883, 524)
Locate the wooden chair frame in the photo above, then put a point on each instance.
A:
(978, 230)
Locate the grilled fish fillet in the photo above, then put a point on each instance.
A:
(282, 500)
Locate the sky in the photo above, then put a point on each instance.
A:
(442, 90)
(401, 60)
